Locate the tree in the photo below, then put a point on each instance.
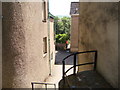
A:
(61, 38)
(62, 26)
(66, 24)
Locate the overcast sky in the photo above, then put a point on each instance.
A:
(60, 7)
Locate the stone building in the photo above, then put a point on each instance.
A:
(26, 53)
(74, 12)
(52, 39)
(98, 30)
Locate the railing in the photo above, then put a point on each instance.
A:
(74, 61)
(32, 83)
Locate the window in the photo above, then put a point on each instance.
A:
(45, 45)
(44, 11)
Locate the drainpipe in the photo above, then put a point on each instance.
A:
(79, 37)
(49, 40)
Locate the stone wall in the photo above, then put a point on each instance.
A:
(23, 33)
(98, 30)
(74, 33)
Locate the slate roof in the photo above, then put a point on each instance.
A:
(74, 9)
(50, 15)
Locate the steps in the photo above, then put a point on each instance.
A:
(86, 79)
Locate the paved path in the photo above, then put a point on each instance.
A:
(57, 68)
(57, 75)
(62, 54)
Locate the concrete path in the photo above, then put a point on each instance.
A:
(57, 68)
(57, 75)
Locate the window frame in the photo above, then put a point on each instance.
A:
(44, 11)
(44, 45)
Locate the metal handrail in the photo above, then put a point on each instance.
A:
(78, 65)
(44, 84)
(74, 66)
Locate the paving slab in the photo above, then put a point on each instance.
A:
(57, 74)
(57, 68)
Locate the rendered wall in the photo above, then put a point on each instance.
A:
(98, 30)
(74, 33)
(52, 43)
(23, 32)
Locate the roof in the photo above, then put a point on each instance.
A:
(74, 8)
(51, 16)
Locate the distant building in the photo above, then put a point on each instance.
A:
(74, 12)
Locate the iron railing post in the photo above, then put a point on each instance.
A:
(32, 86)
(95, 62)
(74, 71)
(46, 86)
(63, 69)
(55, 86)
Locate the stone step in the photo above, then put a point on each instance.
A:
(86, 79)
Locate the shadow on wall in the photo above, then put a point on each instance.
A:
(99, 30)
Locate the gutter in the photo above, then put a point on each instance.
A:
(49, 41)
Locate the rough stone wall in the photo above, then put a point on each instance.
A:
(98, 30)
(23, 32)
(74, 33)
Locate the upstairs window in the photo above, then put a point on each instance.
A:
(44, 11)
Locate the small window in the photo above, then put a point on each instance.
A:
(44, 11)
(45, 45)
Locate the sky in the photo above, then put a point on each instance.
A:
(60, 7)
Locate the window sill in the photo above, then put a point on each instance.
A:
(44, 55)
(44, 20)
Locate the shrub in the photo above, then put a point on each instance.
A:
(61, 38)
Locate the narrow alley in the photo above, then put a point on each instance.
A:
(57, 68)
(59, 43)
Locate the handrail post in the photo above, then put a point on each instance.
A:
(63, 69)
(74, 71)
(46, 86)
(95, 62)
(32, 86)
(55, 86)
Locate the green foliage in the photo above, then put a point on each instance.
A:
(62, 25)
(62, 29)
(66, 24)
(61, 38)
